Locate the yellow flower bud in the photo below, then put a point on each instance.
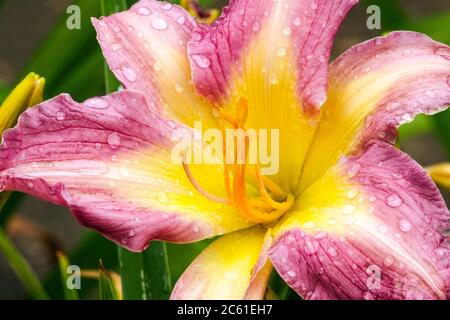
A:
(440, 173)
(26, 94)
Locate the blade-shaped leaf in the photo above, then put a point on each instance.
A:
(63, 263)
(145, 275)
(107, 287)
(21, 267)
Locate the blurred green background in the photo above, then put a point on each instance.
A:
(35, 38)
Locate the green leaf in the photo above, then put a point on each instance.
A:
(57, 58)
(88, 252)
(4, 91)
(392, 13)
(422, 124)
(107, 289)
(87, 80)
(109, 7)
(181, 256)
(63, 263)
(21, 267)
(145, 275)
(436, 27)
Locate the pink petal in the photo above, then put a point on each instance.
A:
(109, 160)
(374, 88)
(224, 49)
(146, 48)
(378, 232)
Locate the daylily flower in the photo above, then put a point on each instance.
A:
(347, 216)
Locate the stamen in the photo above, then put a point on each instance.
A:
(226, 169)
(266, 197)
(263, 209)
(270, 185)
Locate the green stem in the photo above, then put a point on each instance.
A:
(144, 275)
(21, 267)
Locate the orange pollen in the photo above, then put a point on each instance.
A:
(263, 209)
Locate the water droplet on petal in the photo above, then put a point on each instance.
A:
(354, 170)
(332, 252)
(166, 6)
(297, 21)
(97, 103)
(274, 79)
(383, 229)
(114, 140)
(368, 296)
(131, 233)
(201, 61)
(394, 201)
(60, 115)
(407, 117)
(124, 172)
(405, 225)
(144, 11)
(311, 246)
(129, 74)
(159, 24)
(181, 20)
(440, 252)
(256, 26)
(179, 87)
(429, 93)
(397, 175)
(196, 37)
(348, 209)
(291, 274)
(393, 106)
(332, 221)
(162, 197)
(287, 31)
(282, 52)
(309, 225)
(388, 261)
(351, 194)
(407, 52)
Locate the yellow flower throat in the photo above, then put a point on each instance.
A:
(272, 202)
